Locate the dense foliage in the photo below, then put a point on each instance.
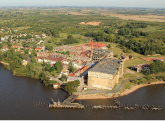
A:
(56, 67)
(156, 67)
(72, 86)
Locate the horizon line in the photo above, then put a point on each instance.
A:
(82, 6)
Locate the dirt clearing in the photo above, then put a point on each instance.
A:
(138, 17)
(91, 23)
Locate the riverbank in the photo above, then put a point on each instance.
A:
(136, 87)
(4, 63)
(126, 92)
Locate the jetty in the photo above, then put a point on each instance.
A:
(70, 99)
(67, 103)
(71, 105)
(119, 105)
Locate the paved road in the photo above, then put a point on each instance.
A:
(49, 37)
(117, 89)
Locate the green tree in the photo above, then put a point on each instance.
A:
(116, 55)
(72, 69)
(156, 67)
(42, 77)
(1, 56)
(26, 51)
(63, 78)
(130, 56)
(48, 67)
(1, 45)
(58, 66)
(49, 48)
(109, 46)
(9, 45)
(72, 86)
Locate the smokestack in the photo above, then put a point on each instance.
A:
(92, 49)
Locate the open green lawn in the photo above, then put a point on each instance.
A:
(54, 41)
(136, 60)
(160, 74)
(38, 66)
(115, 49)
(150, 28)
(23, 28)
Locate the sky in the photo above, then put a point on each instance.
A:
(107, 3)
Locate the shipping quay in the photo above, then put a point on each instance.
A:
(67, 103)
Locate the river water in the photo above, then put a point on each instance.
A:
(19, 96)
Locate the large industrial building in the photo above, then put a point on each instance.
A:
(99, 54)
(105, 74)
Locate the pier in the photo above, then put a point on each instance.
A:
(70, 99)
(67, 103)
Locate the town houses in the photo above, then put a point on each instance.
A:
(83, 58)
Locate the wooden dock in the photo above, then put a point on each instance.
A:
(70, 99)
(67, 103)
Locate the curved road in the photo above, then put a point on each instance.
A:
(117, 89)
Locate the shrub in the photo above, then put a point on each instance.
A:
(63, 78)
(127, 85)
(116, 55)
(130, 56)
(72, 86)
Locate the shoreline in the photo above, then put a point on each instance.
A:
(4, 63)
(105, 96)
(126, 92)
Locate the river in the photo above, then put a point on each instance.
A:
(19, 96)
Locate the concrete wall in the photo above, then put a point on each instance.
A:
(104, 80)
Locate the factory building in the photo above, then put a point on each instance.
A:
(105, 74)
(99, 54)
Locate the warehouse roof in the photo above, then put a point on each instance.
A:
(107, 65)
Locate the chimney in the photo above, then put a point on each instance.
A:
(92, 50)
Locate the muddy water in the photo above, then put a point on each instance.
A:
(25, 98)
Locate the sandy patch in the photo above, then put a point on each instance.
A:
(4, 63)
(93, 96)
(126, 92)
(138, 17)
(129, 71)
(136, 87)
(91, 23)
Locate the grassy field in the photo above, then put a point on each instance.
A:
(136, 60)
(115, 49)
(150, 28)
(54, 41)
(23, 28)
(160, 74)
(151, 18)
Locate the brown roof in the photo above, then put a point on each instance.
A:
(154, 58)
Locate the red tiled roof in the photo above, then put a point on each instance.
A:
(56, 84)
(84, 53)
(15, 46)
(28, 48)
(73, 75)
(97, 44)
(38, 48)
(5, 46)
(72, 52)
